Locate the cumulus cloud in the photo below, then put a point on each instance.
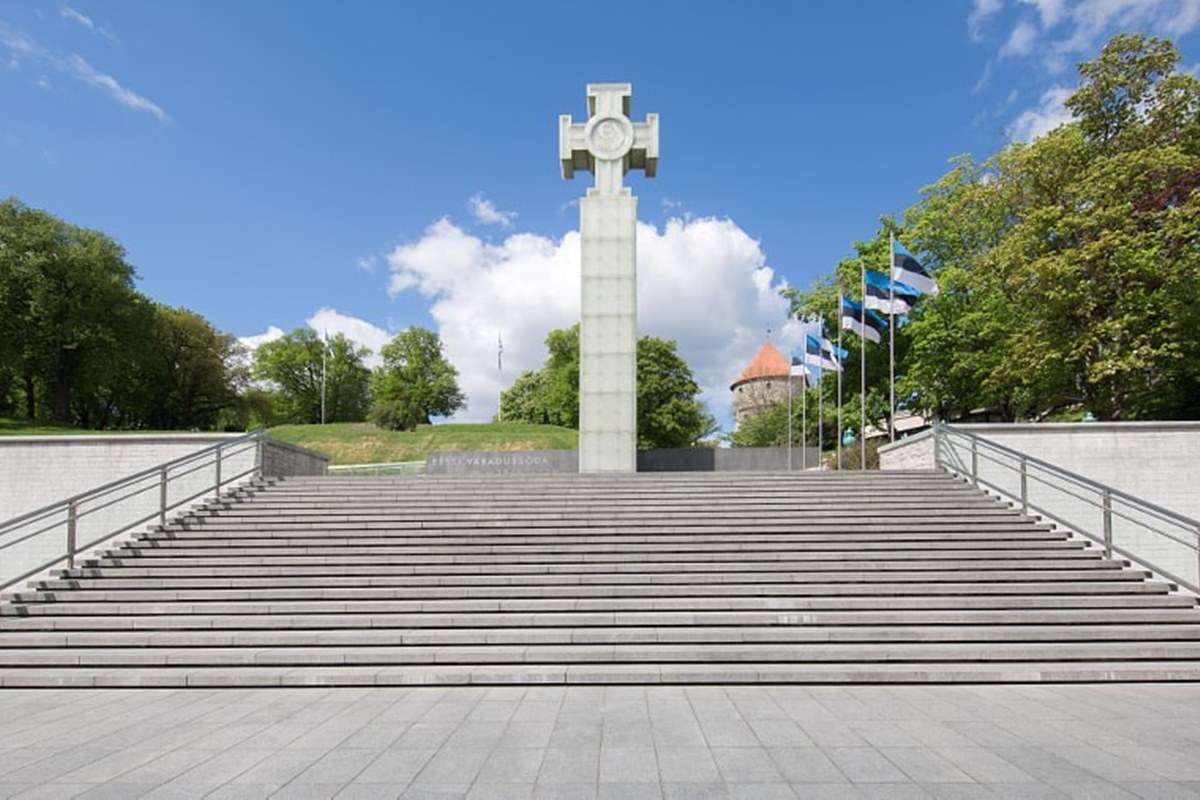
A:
(332, 322)
(703, 282)
(251, 343)
(1047, 115)
(359, 331)
(486, 213)
(20, 45)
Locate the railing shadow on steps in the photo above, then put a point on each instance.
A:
(1155, 537)
(57, 533)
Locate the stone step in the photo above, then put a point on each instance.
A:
(395, 637)
(794, 584)
(809, 653)
(990, 567)
(813, 597)
(946, 619)
(709, 673)
(1074, 558)
(548, 551)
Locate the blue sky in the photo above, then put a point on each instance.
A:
(264, 161)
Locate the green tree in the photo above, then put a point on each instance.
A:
(415, 382)
(292, 366)
(669, 412)
(1069, 266)
(65, 294)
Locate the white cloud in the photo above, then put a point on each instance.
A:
(124, 96)
(85, 21)
(1047, 115)
(359, 331)
(18, 44)
(367, 263)
(981, 12)
(486, 213)
(703, 282)
(1020, 41)
(251, 343)
(1050, 11)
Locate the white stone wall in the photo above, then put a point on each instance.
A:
(36, 471)
(1154, 461)
(915, 452)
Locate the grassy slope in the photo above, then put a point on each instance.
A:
(23, 427)
(363, 443)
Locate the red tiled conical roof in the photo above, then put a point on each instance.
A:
(767, 363)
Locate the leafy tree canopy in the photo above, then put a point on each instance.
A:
(292, 366)
(669, 412)
(415, 382)
(1069, 267)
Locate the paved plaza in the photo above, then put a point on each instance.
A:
(1046, 741)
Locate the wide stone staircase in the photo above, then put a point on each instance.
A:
(654, 578)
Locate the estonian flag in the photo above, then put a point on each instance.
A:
(899, 298)
(833, 354)
(797, 367)
(819, 353)
(907, 269)
(863, 321)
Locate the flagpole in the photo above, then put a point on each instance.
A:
(789, 425)
(324, 349)
(862, 372)
(838, 444)
(821, 401)
(891, 337)
(804, 414)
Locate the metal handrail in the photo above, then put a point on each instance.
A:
(166, 472)
(1102, 495)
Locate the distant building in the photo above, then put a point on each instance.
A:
(762, 384)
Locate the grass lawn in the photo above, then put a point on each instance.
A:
(363, 443)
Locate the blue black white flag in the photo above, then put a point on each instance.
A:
(894, 298)
(863, 321)
(908, 270)
(797, 366)
(819, 353)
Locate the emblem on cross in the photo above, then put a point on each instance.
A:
(609, 144)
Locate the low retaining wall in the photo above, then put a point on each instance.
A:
(1154, 461)
(684, 459)
(280, 459)
(36, 471)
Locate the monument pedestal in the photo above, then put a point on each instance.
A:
(608, 333)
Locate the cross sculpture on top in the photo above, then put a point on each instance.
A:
(608, 145)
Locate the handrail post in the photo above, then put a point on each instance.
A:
(258, 456)
(975, 462)
(217, 487)
(1024, 486)
(72, 514)
(937, 445)
(162, 496)
(1108, 530)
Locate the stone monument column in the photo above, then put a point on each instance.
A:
(608, 145)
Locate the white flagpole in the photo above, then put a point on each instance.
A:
(324, 348)
(838, 444)
(862, 371)
(820, 401)
(891, 338)
(804, 412)
(789, 425)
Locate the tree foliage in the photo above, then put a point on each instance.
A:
(415, 382)
(292, 366)
(669, 412)
(1069, 266)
